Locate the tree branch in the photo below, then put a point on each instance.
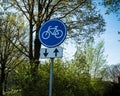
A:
(17, 47)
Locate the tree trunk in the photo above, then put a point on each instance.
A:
(37, 46)
(1, 88)
(2, 79)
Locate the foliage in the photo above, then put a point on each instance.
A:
(83, 23)
(12, 93)
(66, 81)
(10, 47)
(70, 78)
(113, 6)
(31, 79)
(90, 59)
(112, 71)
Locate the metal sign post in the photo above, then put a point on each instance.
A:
(51, 34)
(51, 76)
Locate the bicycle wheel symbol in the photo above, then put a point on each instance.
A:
(45, 35)
(58, 34)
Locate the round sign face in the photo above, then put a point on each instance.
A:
(52, 33)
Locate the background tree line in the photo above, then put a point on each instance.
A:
(73, 78)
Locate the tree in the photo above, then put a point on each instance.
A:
(10, 47)
(87, 21)
(88, 63)
(90, 59)
(113, 6)
(83, 22)
(112, 71)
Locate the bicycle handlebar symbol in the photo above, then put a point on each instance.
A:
(56, 32)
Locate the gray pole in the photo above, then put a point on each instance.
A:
(51, 76)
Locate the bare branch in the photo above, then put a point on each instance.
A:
(73, 9)
(17, 46)
(21, 9)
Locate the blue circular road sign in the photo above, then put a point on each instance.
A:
(52, 33)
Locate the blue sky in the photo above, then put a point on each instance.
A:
(111, 37)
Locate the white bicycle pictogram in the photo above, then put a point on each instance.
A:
(52, 31)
